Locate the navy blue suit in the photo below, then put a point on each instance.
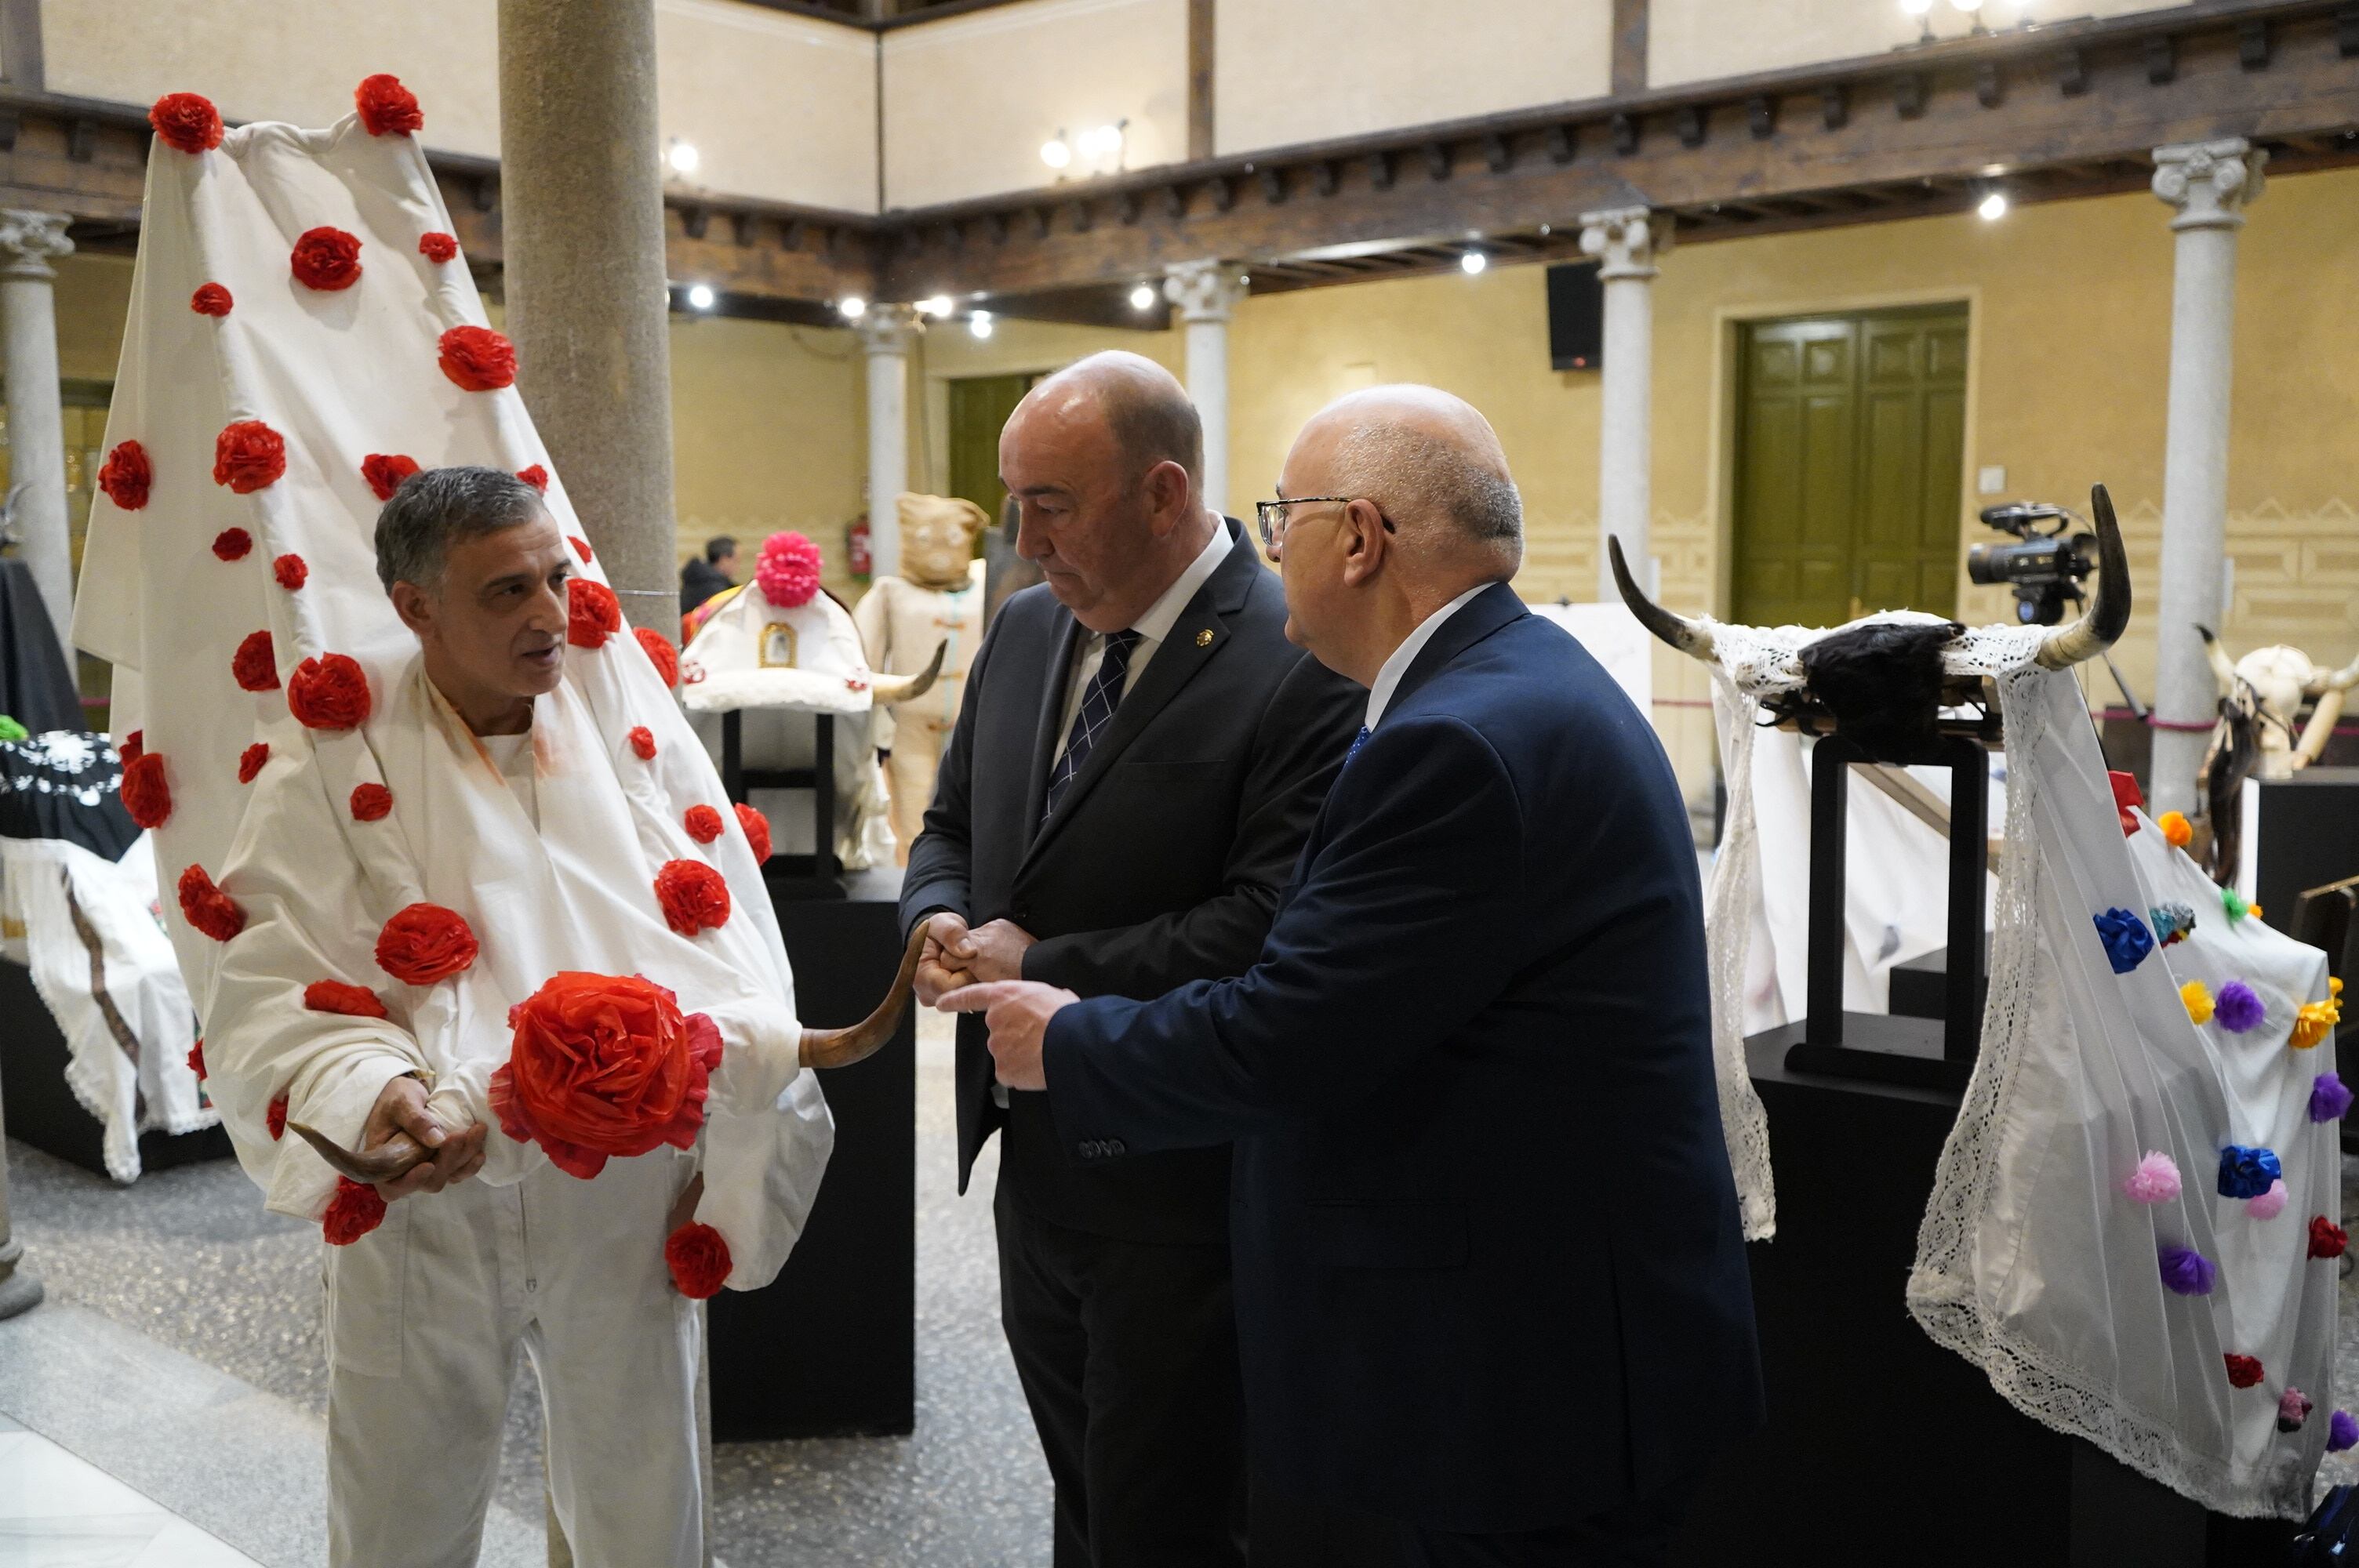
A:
(1488, 1273)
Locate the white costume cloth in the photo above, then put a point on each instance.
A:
(342, 375)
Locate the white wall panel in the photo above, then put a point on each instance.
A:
(779, 106)
(1699, 40)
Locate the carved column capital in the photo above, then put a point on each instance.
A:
(2209, 182)
(1626, 241)
(1204, 291)
(30, 240)
(888, 328)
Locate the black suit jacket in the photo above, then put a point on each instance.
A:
(1488, 1271)
(1161, 865)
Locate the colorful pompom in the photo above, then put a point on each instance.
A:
(703, 824)
(370, 802)
(2234, 904)
(2240, 1008)
(385, 470)
(126, 476)
(699, 1260)
(2243, 1371)
(2330, 1098)
(642, 743)
(2270, 1204)
(211, 299)
(356, 1210)
(757, 838)
(2197, 1000)
(274, 1119)
(197, 1059)
(146, 793)
(788, 571)
(2156, 1180)
(2327, 1239)
(437, 246)
(659, 650)
(580, 546)
(2172, 922)
(2342, 1431)
(535, 476)
(186, 121)
(290, 571)
(386, 107)
(250, 761)
(2293, 1409)
(2127, 939)
(232, 544)
(2176, 829)
(2314, 1021)
(2187, 1272)
(336, 995)
(2246, 1171)
(593, 613)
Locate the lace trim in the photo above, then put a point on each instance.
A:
(1728, 930)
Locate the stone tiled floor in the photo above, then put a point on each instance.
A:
(57, 1511)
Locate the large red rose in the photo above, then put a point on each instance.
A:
(292, 572)
(2327, 1239)
(385, 470)
(699, 1260)
(249, 455)
(535, 476)
(477, 359)
(356, 1210)
(388, 108)
(211, 299)
(593, 613)
(335, 995)
(703, 824)
(256, 663)
(660, 650)
(125, 475)
(187, 121)
(437, 247)
(208, 908)
(694, 896)
(146, 795)
(232, 544)
(330, 692)
(604, 1066)
(371, 801)
(327, 259)
(425, 943)
(757, 831)
(250, 761)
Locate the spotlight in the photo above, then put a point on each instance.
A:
(936, 305)
(1473, 262)
(978, 323)
(1993, 206)
(682, 157)
(1056, 152)
(1100, 141)
(852, 307)
(1142, 297)
(699, 296)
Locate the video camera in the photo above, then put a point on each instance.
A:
(2046, 570)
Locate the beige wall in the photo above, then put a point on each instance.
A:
(969, 100)
(949, 352)
(1288, 71)
(779, 106)
(1696, 41)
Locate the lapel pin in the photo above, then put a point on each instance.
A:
(1205, 638)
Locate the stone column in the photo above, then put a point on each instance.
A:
(886, 333)
(1207, 292)
(583, 232)
(37, 437)
(1626, 241)
(19, 1292)
(2209, 184)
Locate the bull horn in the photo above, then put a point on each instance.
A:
(1678, 631)
(842, 1047)
(2343, 679)
(389, 1160)
(2219, 657)
(2108, 615)
(890, 689)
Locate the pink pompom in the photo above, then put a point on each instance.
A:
(2270, 1204)
(788, 572)
(2156, 1180)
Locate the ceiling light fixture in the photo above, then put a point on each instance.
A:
(852, 307)
(682, 157)
(1473, 262)
(1993, 206)
(1057, 152)
(699, 296)
(980, 323)
(936, 305)
(1142, 297)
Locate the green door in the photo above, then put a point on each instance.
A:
(979, 409)
(1849, 451)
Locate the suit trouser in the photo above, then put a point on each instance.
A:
(1127, 1352)
(426, 1316)
(1638, 1535)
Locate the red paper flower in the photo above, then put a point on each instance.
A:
(659, 649)
(371, 801)
(477, 359)
(2243, 1371)
(329, 693)
(197, 1058)
(232, 544)
(211, 299)
(187, 121)
(693, 895)
(437, 247)
(788, 571)
(593, 613)
(703, 824)
(275, 1118)
(208, 908)
(250, 761)
(135, 746)
(699, 1260)
(580, 546)
(388, 108)
(146, 795)
(335, 995)
(535, 476)
(126, 476)
(356, 1210)
(425, 943)
(604, 1066)
(385, 472)
(643, 741)
(249, 455)
(256, 663)
(2327, 1239)
(290, 571)
(327, 259)
(757, 831)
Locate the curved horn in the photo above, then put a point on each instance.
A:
(2108, 615)
(890, 689)
(2219, 657)
(2325, 681)
(1678, 631)
(395, 1157)
(842, 1047)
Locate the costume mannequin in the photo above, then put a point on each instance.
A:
(938, 600)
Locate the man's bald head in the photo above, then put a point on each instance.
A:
(1144, 408)
(1431, 460)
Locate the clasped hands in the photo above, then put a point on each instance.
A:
(401, 1108)
(982, 970)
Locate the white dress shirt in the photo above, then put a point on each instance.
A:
(1152, 626)
(1388, 678)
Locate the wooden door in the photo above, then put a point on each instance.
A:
(1850, 453)
(979, 409)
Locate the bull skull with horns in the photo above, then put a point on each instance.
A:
(1881, 681)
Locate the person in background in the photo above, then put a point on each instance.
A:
(715, 573)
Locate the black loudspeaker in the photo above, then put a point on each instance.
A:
(1576, 317)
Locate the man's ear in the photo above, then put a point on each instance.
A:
(1167, 493)
(415, 608)
(1361, 534)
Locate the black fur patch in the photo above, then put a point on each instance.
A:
(1882, 683)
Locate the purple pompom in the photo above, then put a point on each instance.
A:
(2329, 1098)
(2187, 1272)
(2238, 1008)
(2342, 1431)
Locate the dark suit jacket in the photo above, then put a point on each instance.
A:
(1162, 863)
(700, 580)
(1488, 1269)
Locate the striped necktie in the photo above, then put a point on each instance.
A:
(1098, 703)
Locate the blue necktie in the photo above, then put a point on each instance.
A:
(1357, 742)
(1098, 703)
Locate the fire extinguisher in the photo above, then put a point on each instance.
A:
(855, 547)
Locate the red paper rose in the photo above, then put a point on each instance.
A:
(232, 544)
(2327, 1239)
(197, 1058)
(604, 1066)
(580, 546)
(250, 761)
(477, 359)
(385, 470)
(256, 663)
(126, 476)
(249, 455)
(146, 795)
(699, 1260)
(703, 824)
(437, 246)
(329, 693)
(290, 571)
(208, 908)
(134, 745)
(693, 895)
(356, 1210)
(388, 108)
(211, 299)
(593, 613)
(643, 741)
(275, 1118)
(327, 259)
(2243, 1371)
(535, 476)
(788, 571)
(659, 649)
(187, 121)
(335, 995)
(757, 831)
(371, 801)
(425, 943)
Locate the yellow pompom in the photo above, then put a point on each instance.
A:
(2333, 985)
(2176, 828)
(2314, 1022)
(2198, 1001)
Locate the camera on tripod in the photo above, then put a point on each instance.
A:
(2045, 569)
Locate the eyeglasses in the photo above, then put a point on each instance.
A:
(1271, 515)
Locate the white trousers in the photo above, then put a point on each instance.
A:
(426, 1316)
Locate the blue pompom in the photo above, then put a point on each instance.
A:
(2127, 939)
(2247, 1172)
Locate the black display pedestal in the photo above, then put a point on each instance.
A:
(1882, 1444)
(2308, 836)
(42, 1110)
(827, 1349)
